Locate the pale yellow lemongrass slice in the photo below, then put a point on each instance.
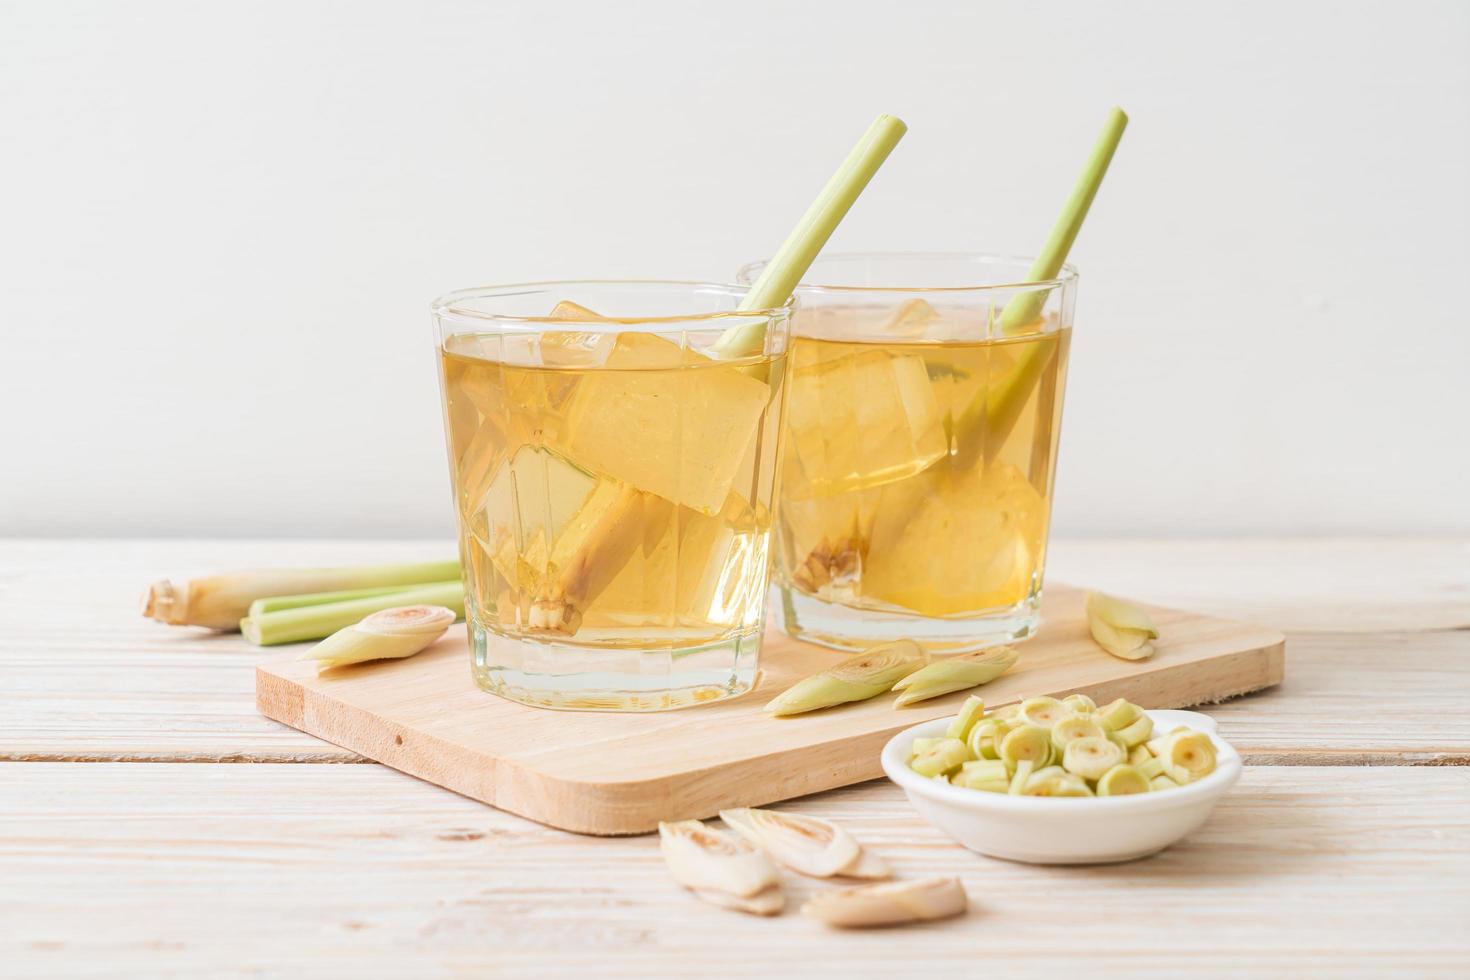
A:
(810, 845)
(768, 901)
(1121, 628)
(710, 860)
(389, 634)
(889, 903)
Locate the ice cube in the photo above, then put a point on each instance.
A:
(955, 540)
(575, 348)
(666, 420)
(696, 574)
(911, 319)
(559, 534)
(861, 419)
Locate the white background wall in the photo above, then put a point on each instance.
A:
(221, 225)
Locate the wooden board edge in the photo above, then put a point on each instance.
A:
(425, 757)
(636, 807)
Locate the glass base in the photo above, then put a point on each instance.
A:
(848, 628)
(579, 678)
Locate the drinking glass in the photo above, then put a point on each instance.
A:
(614, 463)
(921, 445)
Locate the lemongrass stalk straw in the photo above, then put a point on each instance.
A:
(385, 635)
(779, 277)
(1022, 310)
(997, 408)
(316, 622)
(219, 601)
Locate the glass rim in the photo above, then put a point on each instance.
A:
(445, 305)
(1067, 276)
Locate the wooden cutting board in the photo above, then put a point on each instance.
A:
(611, 773)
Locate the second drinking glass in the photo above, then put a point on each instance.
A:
(921, 443)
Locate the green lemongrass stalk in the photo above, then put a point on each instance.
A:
(779, 277)
(389, 634)
(1023, 310)
(998, 407)
(955, 673)
(855, 679)
(219, 601)
(316, 622)
(278, 602)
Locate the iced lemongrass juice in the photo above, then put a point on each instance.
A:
(921, 447)
(614, 484)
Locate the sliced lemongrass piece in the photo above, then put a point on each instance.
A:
(1188, 756)
(987, 774)
(1091, 757)
(809, 845)
(781, 274)
(970, 712)
(1150, 768)
(1030, 743)
(388, 634)
(220, 601)
(317, 622)
(1079, 704)
(942, 759)
(854, 679)
(888, 904)
(1122, 780)
(957, 673)
(1070, 729)
(1023, 772)
(1161, 782)
(1056, 784)
(1121, 628)
(985, 737)
(921, 745)
(1007, 713)
(1118, 714)
(1138, 755)
(1137, 733)
(769, 901)
(1045, 712)
(710, 860)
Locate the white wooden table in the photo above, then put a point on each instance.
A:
(134, 841)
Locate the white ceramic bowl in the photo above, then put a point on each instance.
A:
(1065, 830)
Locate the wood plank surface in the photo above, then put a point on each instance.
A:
(86, 678)
(1299, 584)
(1360, 699)
(619, 773)
(285, 870)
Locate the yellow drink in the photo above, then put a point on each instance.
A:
(899, 497)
